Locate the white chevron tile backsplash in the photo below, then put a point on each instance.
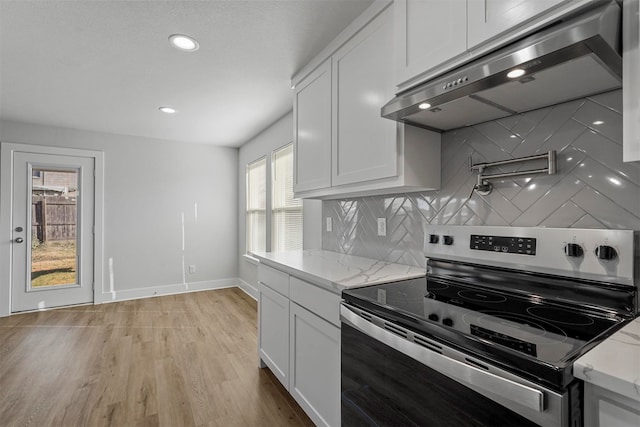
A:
(593, 188)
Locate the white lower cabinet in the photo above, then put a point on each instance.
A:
(299, 341)
(273, 332)
(315, 366)
(604, 408)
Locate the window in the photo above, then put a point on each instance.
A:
(286, 211)
(257, 205)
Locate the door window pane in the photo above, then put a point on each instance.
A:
(54, 213)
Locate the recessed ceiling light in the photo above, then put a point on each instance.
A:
(424, 106)
(514, 74)
(182, 42)
(598, 122)
(167, 110)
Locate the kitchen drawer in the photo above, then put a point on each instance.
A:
(275, 279)
(317, 300)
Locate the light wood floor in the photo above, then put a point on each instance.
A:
(181, 360)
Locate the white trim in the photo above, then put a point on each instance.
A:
(248, 289)
(163, 290)
(6, 183)
(98, 235)
(251, 259)
(7, 151)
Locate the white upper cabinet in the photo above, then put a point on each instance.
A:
(435, 36)
(312, 130)
(428, 34)
(364, 145)
(630, 81)
(363, 153)
(490, 18)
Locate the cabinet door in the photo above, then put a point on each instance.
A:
(428, 33)
(273, 332)
(312, 130)
(364, 144)
(604, 408)
(630, 82)
(315, 366)
(489, 18)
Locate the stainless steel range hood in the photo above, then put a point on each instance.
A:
(569, 60)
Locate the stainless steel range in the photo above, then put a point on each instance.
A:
(490, 336)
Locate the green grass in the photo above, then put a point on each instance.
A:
(53, 263)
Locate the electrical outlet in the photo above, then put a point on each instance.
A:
(329, 224)
(192, 269)
(382, 226)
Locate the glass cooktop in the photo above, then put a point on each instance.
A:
(526, 332)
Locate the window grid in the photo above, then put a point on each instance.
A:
(287, 218)
(256, 215)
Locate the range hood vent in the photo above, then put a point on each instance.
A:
(569, 60)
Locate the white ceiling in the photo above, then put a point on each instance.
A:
(107, 65)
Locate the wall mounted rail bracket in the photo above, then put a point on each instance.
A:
(484, 187)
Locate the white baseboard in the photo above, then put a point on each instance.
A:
(249, 289)
(156, 291)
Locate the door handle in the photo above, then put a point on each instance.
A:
(19, 240)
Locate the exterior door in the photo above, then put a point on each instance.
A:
(52, 219)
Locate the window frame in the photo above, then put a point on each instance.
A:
(269, 211)
(249, 210)
(283, 209)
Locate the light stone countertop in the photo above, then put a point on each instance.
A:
(615, 363)
(336, 271)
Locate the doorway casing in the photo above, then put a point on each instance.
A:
(7, 151)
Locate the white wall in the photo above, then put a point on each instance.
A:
(278, 134)
(149, 185)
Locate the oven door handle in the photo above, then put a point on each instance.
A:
(475, 378)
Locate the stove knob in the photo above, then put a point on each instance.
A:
(433, 238)
(606, 252)
(573, 250)
(447, 322)
(434, 317)
(447, 240)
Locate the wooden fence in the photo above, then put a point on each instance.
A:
(53, 218)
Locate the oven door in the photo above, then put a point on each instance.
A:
(403, 379)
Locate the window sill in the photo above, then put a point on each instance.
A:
(250, 259)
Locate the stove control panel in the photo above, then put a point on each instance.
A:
(510, 245)
(505, 340)
(609, 255)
